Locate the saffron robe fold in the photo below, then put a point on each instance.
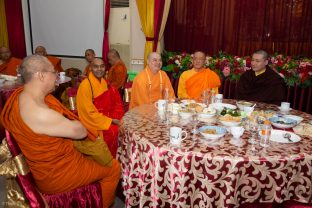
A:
(56, 62)
(87, 70)
(56, 165)
(10, 67)
(268, 87)
(143, 93)
(117, 75)
(97, 115)
(193, 83)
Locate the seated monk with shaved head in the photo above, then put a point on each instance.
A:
(45, 131)
(56, 62)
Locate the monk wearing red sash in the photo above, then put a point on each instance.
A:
(45, 131)
(99, 106)
(8, 64)
(193, 82)
(56, 62)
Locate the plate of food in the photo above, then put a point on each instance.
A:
(212, 132)
(282, 122)
(220, 106)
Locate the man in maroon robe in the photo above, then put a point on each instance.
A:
(261, 84)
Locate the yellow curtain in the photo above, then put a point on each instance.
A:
(160, 46)
(4, 40)
(146, 13)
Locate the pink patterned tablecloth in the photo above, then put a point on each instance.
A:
(204, 174)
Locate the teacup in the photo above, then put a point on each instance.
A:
(176, 135)
(285, 106)
(161, 105)
(237, 131)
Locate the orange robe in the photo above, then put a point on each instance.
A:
(144, 93)
(56, 62)
(56, 165)
(96, 115)
(10, 67)
(117, 75)
(192, 83)
(87, 70)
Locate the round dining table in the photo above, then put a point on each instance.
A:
(203, 173)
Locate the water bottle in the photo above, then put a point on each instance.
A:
(265, 133)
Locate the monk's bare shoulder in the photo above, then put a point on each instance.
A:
(43, 120)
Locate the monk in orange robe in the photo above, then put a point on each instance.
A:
(150, 84)
(47, 144)
(89, 55)
(194, 81)
(8, 64)
(117, 74)
(56, 62)
(99, 106)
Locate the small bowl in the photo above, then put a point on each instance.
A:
(242, 104)
(282, 122)
(228, 120)
(185, 114)
(207, 113)
(220, 132)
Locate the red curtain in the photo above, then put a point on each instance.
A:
(105, 47)
(15, 26)
(158, 14)
(240, 26)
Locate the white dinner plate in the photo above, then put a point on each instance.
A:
(278, 136)
(220, 106)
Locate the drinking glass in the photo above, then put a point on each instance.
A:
(253, 128)
(195, 122)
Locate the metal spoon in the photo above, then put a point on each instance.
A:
(288, 137)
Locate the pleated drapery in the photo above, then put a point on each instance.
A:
(146, 13)
(165, 6)
(105, 47)
(4, 40)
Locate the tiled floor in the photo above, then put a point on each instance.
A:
(118, 203)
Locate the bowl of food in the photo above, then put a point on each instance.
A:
(212, 132)
(242, 104)
(282, 122)
(229, 120)
(185, 114)
(207, 113)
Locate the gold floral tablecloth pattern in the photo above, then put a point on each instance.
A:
(203, 174)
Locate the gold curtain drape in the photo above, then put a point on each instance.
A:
(160, 46)
(4, 40)
(146, 13)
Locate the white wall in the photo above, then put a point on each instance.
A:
(137, 39)
(121, 31)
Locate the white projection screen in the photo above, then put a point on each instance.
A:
(67, 27)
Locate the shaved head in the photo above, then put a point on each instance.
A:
(40, 50)
(5, 53)
(32, 64)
